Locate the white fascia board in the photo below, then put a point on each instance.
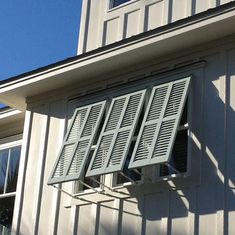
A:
(179, 36)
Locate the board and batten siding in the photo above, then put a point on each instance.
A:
(201, 204)
(101, 26)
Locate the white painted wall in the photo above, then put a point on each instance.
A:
(101, 26)
(202, 203)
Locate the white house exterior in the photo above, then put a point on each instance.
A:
(178, 57)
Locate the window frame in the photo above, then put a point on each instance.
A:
(4, 146)
(9, 143)
(112, 7)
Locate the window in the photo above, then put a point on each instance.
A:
(176, 166)
(9, 165)
(138, 131)
(115, 3)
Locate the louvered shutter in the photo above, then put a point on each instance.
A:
(115, 139)
(159, 127)
(77, 143)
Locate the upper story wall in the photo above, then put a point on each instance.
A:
(101, 26)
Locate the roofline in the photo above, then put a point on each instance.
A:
(94, 65)
(139, 37)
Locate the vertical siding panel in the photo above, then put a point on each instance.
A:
(130, 217)
(93, 27)
(66, 215)
(142, 19)
(40, 166)
(154, 15)
(201, 5)
(101, 19)
(29, 208)
(121, 27)
(84, 20)
(167, 12)
(221, 158)
(22, 174)
(110, 31)
(230, 191)
(49, 194)
(155, 213)
(105, 223)
(131, 23)
(179, 206)
(84, 222)
(189, 8)
(178, 9)
(212, 186)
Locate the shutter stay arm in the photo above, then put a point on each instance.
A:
(141, 174)
(105, 186)
(127, 177)
(72, 196)
(171, 167)
(87, 185)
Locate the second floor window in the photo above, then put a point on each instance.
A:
(9, 165)
(115, 3)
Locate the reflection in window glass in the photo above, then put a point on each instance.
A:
(115, 3)
(13, 169)
(9, 164)
(3, 169)
(6, 214)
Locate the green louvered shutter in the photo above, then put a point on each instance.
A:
(115, 138)
(77, 143)
(159, 127)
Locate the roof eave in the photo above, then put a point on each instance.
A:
(167, 39)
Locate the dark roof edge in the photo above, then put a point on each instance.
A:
(6, 109)
(197, 17)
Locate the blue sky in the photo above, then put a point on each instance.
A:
(34, 34)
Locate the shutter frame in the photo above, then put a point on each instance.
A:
(105, 168)
(149, 160)
(65, 177)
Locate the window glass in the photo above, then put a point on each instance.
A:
(9, 164)
(13, 169)
(3, 169)
(179, 156)
(115, 3)
(6, 214)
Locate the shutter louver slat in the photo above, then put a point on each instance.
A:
(145, 143)
(76, 126)
(102, 152)
(78, 157)
(65, 155)
(159, 127)
(117, 132)
(115, 114)
(78, 140)
(119, 148)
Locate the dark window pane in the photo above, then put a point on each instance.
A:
(129, 173)
(3, 168)
(115, 3)
(6, 214)
(13, 169)
(179, 155)
(88, 180)
(184, 117)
